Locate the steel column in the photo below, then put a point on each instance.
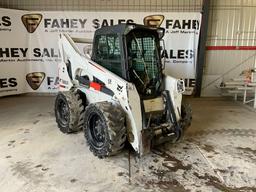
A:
(202, 47)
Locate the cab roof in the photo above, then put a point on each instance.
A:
(123, 29)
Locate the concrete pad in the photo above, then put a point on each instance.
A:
(218, 153)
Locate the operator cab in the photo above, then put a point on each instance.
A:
(132, 52)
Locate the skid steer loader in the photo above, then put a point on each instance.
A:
(119, 93)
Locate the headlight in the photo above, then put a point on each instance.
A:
(180, 86)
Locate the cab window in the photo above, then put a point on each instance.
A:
(108, 53)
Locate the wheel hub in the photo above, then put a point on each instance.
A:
(63, 112)
(97, 131)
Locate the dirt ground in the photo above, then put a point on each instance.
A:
(218, 153)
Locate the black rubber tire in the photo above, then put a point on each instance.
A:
(186, 115)
(73, 109)
(104, 128)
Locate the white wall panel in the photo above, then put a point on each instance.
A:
(224, 61)
(232, 24)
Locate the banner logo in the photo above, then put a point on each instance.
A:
(35, 79)
(31, 21)
(153, 20)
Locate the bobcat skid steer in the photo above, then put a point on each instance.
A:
(120, 93)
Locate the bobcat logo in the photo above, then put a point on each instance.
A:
(31, 21)
(153, 20)
(119, 88)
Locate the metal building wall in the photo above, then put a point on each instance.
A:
(231, 42)
(104, 5)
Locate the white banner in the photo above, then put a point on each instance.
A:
(29, 50)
